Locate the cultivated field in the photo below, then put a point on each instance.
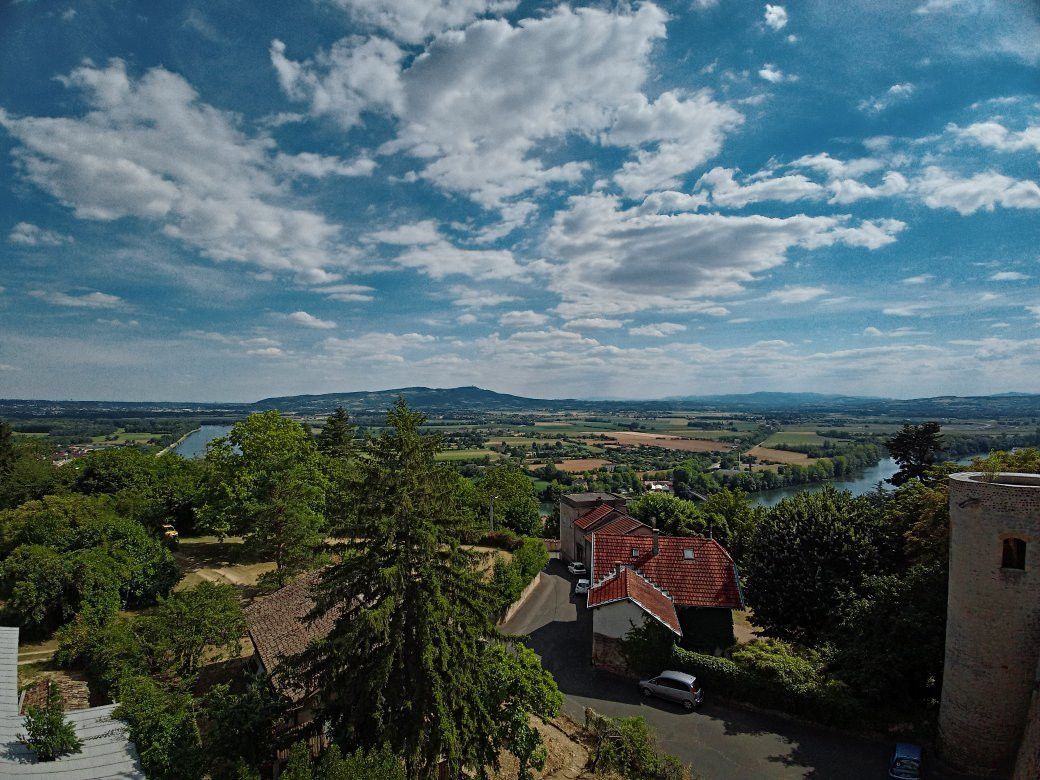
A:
(795, 437)
(575, 465)
(781, 456)
(668, 442)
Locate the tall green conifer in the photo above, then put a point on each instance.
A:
(405, 660)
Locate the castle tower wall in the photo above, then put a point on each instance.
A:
(993, 620)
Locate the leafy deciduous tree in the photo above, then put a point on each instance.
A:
(265, 481)
(47, 734)
(808, 561)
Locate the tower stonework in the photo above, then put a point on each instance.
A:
(993, 620)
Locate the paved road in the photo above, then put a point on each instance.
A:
(718, 741)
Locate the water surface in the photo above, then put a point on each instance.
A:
(195, 445)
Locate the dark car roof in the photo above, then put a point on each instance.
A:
(908, 750)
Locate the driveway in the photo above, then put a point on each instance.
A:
(719, 742)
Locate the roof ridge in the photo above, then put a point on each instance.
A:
(653, 584)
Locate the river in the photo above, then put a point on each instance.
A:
(194, 446)
(864, 483)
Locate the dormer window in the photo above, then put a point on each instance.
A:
(635, 552)
(687, 554)
(1014, 554)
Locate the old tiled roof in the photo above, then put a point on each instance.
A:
(107, 751)
(74, 693)
(278, 628)
(593, 515)
(630, 585)
(708, 579)
(620, 525)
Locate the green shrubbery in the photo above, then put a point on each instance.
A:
(510, 579)
(772, 674)
(627, 746)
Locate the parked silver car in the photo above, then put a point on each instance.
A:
(674, 686)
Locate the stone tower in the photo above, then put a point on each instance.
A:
(993, 620)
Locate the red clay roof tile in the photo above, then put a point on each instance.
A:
(593, 515)
(630, 585)
(708, 580)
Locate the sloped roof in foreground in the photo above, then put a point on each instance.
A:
(628, 584)
(107, 750)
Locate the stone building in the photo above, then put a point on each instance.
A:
(988, 713)
(576, 505)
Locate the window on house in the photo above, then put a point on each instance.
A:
(1014, 554)
(635, 552)
(687, 554)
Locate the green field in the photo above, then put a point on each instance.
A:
(466, 454)
(795, 438)
(122, 436)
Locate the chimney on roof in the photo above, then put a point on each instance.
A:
(620, 568)
(657, 541)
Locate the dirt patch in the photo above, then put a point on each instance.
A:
(566, 755)
(203, 560)
(668, 442)
(781, 456)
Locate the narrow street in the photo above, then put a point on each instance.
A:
(719, 741)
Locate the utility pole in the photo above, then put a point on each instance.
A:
(491, 520)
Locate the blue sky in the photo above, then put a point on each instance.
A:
(226, 201)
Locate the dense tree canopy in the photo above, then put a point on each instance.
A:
(265, 481)
(916, 449)
(516, 506)
(672, 516)
(808, 561)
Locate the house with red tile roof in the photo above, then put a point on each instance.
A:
(638, 577)
(582, 513)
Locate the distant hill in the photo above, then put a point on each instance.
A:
(473, 400)
(432, 399)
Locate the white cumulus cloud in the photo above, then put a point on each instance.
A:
(796, 294)
(522, 319)
(657, 329)
(776, 16)
(94, 300)
(310, 321)
(28, 234)
(149, 148)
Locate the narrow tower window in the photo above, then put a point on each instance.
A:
(1014, 554)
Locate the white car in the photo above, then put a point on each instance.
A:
(581, 586)
(577, 568)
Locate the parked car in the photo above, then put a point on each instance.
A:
(906, 762)
(581, 586)
(674, 686)
(576, 568)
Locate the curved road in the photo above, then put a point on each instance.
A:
(719, 741)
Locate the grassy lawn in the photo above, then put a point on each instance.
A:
(205, 559)
(794, 437)
(123, 436)
(466, 454)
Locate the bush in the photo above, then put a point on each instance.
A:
(503, 540)
(647, 648)
(765, 679)
(48, 734)
(162, 725)
(628, 747)
(510, 579)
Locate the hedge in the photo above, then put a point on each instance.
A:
(511, 578)
(827, 702)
